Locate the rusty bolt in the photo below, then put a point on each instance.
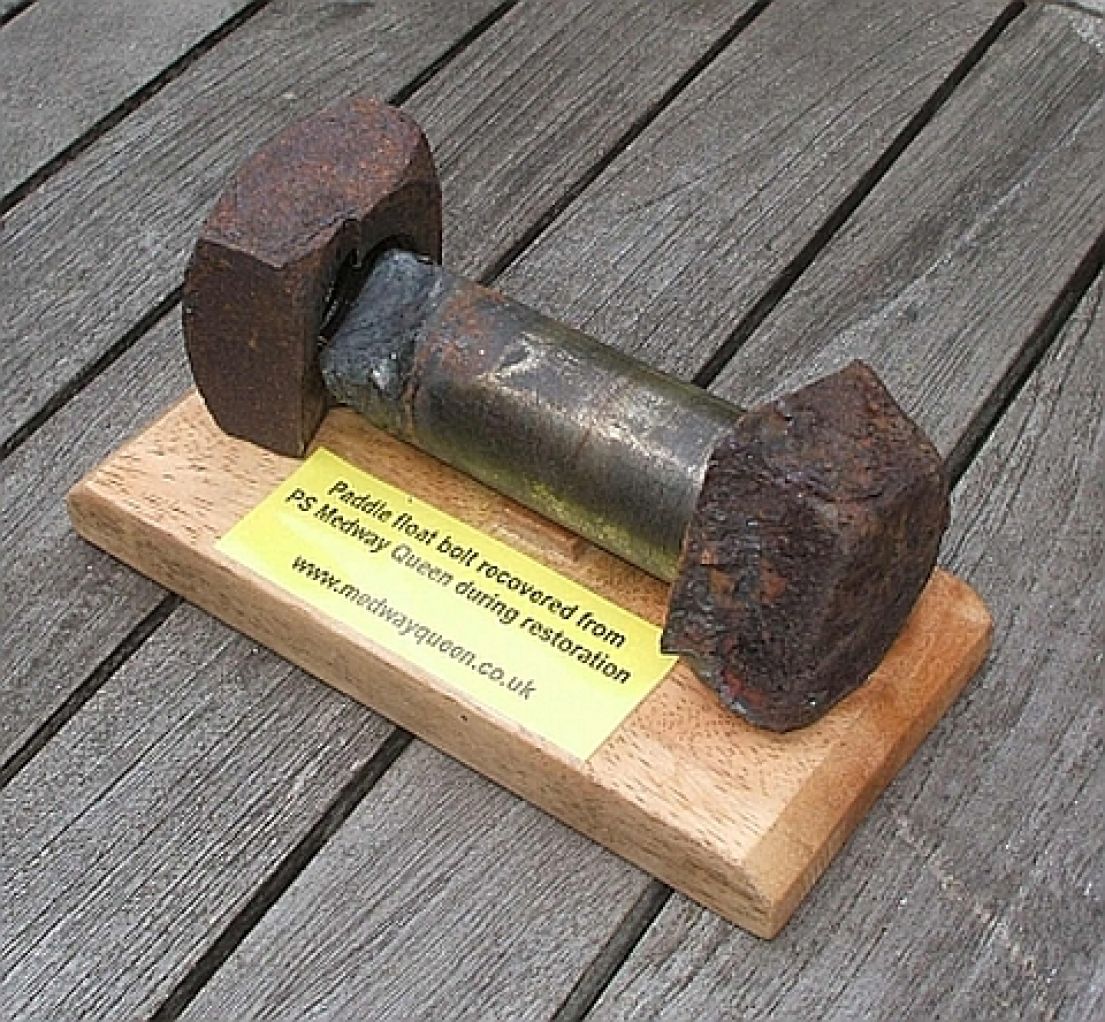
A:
(797, 536)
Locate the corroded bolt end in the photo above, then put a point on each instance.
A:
(816, 529)
(324, 194)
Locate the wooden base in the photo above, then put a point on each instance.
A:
(739, 819)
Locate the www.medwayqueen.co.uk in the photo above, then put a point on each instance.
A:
(413, 630)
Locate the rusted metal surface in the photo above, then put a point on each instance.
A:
(819, 522)
(798, 535)
(322, 196)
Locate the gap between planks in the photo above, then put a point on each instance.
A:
(128, 106)
(10, 9)
(71, 706)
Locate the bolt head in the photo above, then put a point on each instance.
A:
(817, 527)
(327, 192)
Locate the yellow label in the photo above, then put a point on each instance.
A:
(515, 636)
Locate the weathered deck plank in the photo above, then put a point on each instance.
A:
(107, 55)
(70, 605)
(455, 924)
(974, 891)
(157, 812)
(695, 222)
(960, 252)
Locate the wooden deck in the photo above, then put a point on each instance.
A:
(747, 194)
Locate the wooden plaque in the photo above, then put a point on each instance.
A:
(741, 820)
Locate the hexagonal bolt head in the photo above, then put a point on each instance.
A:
(819, 521)
(326, 192)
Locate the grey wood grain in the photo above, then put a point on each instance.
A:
(143, 827)
(976, 888)
(692, 225)
(450, 900)
(105, 55)
(69, 605)
(524, 115)
(1087, 18)
(140, 192)
(950, 262)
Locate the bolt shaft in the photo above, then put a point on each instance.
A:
(579, 432)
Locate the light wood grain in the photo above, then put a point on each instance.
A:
(156, 813)
(105, 54)
(974, 890)
(741, 819)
